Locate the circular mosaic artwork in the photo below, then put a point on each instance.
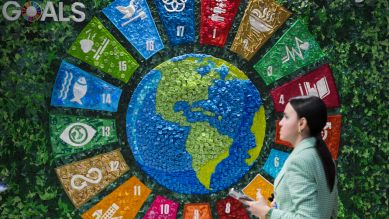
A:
(195, 124)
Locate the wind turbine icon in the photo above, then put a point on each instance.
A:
(129, 12)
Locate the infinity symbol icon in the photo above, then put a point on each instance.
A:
(86, 179)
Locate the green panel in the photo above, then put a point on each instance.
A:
(72, 134)
(96, 46)
(295, 49)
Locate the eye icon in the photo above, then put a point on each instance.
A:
(78, 134)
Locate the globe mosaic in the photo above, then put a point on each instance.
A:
(195, 124)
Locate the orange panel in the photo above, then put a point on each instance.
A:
(197, 211)
(124, 201)
(259, 182)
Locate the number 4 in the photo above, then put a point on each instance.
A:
(282, 99)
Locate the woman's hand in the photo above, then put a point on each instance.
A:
(258, 208)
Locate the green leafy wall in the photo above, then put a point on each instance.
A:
(355, 37)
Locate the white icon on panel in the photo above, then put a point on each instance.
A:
(174, 5)
(79, 90)
(98, 214)
(260, 20)
(87, 46)
(128, 11)
(75, 180)
(292, 54)
(324, 133)
(218, 11)
(131, 13)
(101, 49)
(78, 134)
(217, 18)
(319, 89)
(66, 85)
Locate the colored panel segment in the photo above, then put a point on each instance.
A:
(330, 134)
(197, 211)
(231, 208)
(96, 46)
(274, 162)
(295, 49)
(319, 82)
(123, 202)
(216, 20)
(178, 20)
(73, 134)
(259, 183)
(77, 88)
(133, 19)
(162, 208)
(261, 19)
(83, 179)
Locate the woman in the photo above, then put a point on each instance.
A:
(306, 186)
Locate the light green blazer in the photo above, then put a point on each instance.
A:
(301, 189)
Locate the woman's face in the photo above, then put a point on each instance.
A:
(289, 125)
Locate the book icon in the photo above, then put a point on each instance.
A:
(319, 89)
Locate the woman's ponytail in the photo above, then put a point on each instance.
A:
(326, 160)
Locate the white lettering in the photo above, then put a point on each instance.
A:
(75, 11)
(49, 12)
(60, 13)
(15, 14)
(136, 190)
(180, 31)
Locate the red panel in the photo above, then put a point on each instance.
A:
(319, 82)
(217, 17)
(231, 208)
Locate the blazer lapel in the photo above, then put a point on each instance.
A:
(306, 143)
(279, 176)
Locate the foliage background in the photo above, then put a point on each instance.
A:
(354, 35)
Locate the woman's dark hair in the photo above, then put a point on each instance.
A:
(314, 110)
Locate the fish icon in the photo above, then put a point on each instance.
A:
(79, 90)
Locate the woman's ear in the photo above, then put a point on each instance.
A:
(303, 124)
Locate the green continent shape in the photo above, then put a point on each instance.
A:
(258, 128)
(208, 148)
(181, 82)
